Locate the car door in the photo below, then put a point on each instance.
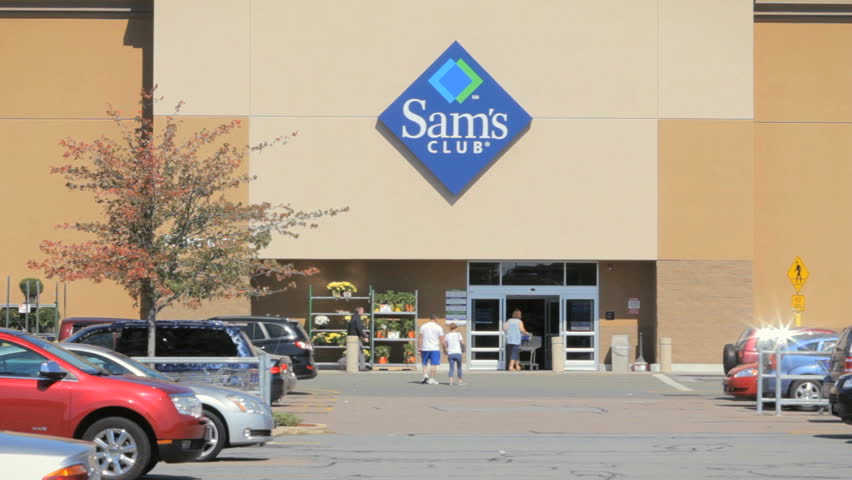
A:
(31, 404)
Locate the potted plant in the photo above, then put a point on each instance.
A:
(318, 338)
(381, 327)
(385, 301)
(408, 327)
(382, 352)
(409, 357)
(393, 326)
(407, 299)
(341, 288)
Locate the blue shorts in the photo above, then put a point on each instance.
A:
(513, 351)
(431, 357)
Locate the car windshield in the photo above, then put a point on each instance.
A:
(66, 356)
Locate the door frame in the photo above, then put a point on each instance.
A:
(472, 363)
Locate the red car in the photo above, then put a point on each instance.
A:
(745, 350)
(135, 422)
(741, 381)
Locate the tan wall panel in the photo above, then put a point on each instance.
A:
(202, 56)
(706, 59)
(564, 190)
(706, 189)
(555, 57)
(620, 281)
(702, 305)
(802, 73)
(71, 67)
(41, 201)
(803, 199)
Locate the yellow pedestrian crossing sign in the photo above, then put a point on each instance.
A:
(799, 303)
(798, 274)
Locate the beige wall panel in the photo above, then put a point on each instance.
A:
(803, 198)
(70, 67)
(202, 56)
(803, 72)
(576, 189)
(706, 189)
(706, 59)
(702, 305)
(555, 57)
(620, 281)
(42, 201)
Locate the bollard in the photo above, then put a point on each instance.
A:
(352, 346)
(666, 354)
(620, 348)
(557, 353)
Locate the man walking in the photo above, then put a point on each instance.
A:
(356, 328)
(429, 345)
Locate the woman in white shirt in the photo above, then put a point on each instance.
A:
(453, 347)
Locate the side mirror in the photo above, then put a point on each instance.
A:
(52, 371)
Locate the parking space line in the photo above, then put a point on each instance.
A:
(672, 383)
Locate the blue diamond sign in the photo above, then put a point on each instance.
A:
(455, 118)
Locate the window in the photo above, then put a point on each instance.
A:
(254, 331)
(581, 274)
(17, 361)
(102, 338)
(532, 273)
(194, 342)
(484, 273)
(280, 331)
(105, 364)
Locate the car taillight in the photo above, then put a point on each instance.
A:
(284, 367)
(275, 370)
(848, 366)
(303, 345)
(76, 472)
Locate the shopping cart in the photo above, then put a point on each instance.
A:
(530, 345)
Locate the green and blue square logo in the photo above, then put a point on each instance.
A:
(455, 118)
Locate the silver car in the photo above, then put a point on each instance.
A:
(236, 419)
(26, 456)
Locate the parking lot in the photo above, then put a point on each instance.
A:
(520, 425)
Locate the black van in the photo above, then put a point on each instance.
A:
(279, 336)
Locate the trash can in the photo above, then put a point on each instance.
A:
(620, 349)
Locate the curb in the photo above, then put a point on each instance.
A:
(303, 429)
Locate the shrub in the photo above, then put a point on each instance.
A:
(283, 419)
(31, 285)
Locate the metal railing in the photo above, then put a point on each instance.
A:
(257, 381)
(779, 394)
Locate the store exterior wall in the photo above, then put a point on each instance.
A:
(803, 146)
(618, 90)
(67, 66)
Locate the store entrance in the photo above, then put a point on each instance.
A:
(541, 318)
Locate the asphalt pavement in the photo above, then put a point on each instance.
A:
(522, 425)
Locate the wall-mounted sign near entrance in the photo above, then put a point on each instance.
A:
(455, 118)
(633, 305)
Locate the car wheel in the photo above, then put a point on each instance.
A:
(729, 357)
(123, 448)
(218, 437)
(806, 390)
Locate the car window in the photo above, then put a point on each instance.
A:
(19, 361)
(101, 338)
(105, 363)
(195, 342)
(133, 342)
(743, 337)
(64, 355)
(828, 345)
(278, 331)
(254, 331)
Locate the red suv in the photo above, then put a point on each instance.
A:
(135, 422)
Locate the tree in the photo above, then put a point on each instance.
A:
(169, 233)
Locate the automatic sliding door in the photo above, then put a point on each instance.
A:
(486, 325)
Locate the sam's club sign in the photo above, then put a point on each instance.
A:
(455, 118)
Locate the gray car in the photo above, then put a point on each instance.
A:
(25, 456)
(236, 418)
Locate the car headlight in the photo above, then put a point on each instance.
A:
(247, 405)
(187, 404)
(846, 385)
(748, 372)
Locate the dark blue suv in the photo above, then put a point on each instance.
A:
(178, 338)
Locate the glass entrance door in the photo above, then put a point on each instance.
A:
(579, 333)
(486, 327)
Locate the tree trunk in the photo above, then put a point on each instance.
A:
(148, 311)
